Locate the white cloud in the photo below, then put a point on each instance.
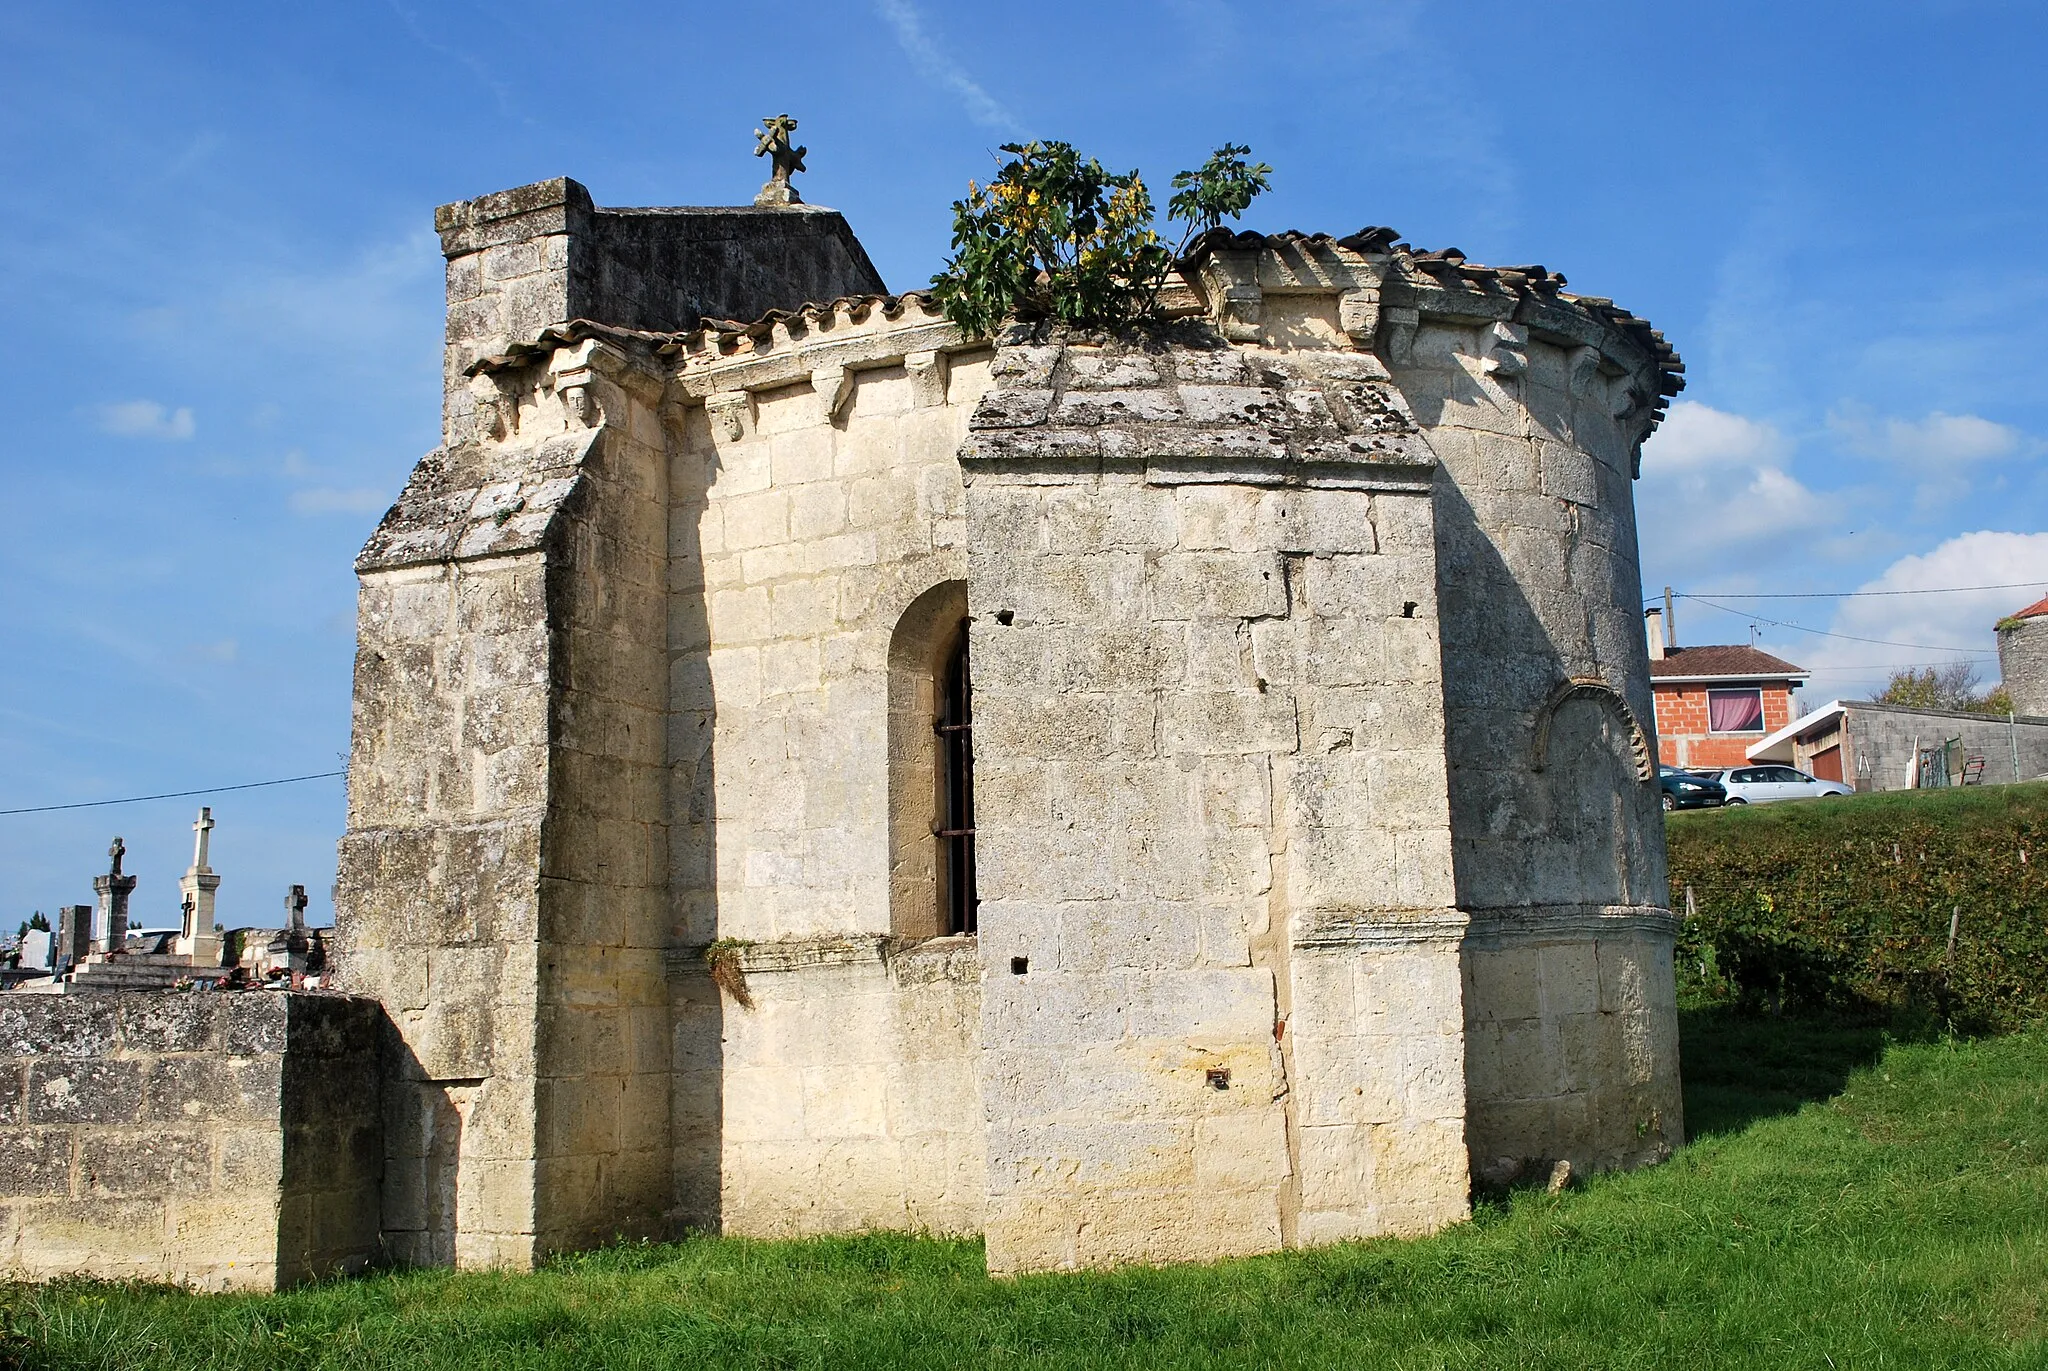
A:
(934, 65)
(1939, 438)
(328, 500)
(1695, 435)
(1716, 483)
(1925, 630)
(146, 419)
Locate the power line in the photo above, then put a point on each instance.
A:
(175, 794)
(1872, 667)
(1824, 633)
(1857, 594)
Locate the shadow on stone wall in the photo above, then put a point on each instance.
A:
(1572, 833)
(697, 1007)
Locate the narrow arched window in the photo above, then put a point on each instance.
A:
(931, 768)
(955, 829)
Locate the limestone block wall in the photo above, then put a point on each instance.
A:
(437, 892)
(602, 1152)
(809, 523)
(521, 260)
(1222, 1010)
(1558, 847)
(220, 1141)
(846, 1094)
(800, 537)
(503, 877)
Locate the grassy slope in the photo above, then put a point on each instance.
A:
(1849, 1203)
(1953, 807)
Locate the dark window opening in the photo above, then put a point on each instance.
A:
(958, 901)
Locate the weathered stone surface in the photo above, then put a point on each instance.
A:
(1314, 863)
(217, 1140)
(2023, 663)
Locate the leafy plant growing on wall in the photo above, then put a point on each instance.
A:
(1056, 238)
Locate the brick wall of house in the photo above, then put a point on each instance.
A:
(1682, 736)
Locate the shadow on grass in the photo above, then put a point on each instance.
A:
(1739, 1067)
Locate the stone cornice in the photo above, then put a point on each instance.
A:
(912, 961)
(1568, 922)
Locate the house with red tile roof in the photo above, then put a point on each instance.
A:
(1715, 700)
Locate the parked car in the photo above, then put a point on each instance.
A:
(1756, 785)
(1684, 790)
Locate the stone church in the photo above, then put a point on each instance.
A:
(1138, 799)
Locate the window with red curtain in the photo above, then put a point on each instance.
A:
(1735, 711)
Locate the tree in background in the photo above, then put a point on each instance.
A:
(1055, 238)
(1950, 687)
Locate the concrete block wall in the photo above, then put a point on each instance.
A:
(1884, 740)
(228, 1142)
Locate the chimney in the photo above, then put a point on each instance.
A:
(1653, 626)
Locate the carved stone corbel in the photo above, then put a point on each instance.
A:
(1236, 302)
(834, 387)
(1626, 402)
(1582, 364)
(927, 378)
(576, 372)
(1358, 314)
(1506, 349)
(497, 407)
(577, 402)
(731, 413)
(1397, 331)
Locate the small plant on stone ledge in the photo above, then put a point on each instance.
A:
(1055, 238)
(726, 961)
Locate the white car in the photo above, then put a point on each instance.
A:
(1756, 785)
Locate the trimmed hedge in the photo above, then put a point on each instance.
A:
(1847, 903)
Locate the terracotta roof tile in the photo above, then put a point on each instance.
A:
(2036, 610)
(1724, 659)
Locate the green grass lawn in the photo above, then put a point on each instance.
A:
(1849, 1201)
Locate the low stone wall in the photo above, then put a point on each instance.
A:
(225, 1141)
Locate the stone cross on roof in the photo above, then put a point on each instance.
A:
(776, 142)
(115, 851)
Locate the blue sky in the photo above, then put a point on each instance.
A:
(226, 299)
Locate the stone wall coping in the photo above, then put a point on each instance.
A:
(459, 506)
